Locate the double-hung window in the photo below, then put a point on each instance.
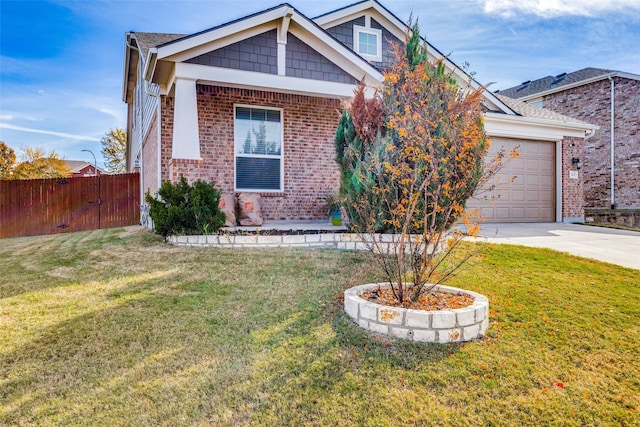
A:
(258, 149)
(368, 42)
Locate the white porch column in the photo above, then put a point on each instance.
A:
(186, 137)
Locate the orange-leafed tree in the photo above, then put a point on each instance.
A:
(36, 164)
(410, 158)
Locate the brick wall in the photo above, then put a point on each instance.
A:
(572, 189)
(592, 103)
(309, 125)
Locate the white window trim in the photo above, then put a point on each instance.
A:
(266, 156)
(357, 29)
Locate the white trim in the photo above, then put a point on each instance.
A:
(261, 81)
(357, 30)
(281, 156)
(532, 128)
(186, 137)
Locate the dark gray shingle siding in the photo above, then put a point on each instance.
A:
(344, 34)
(258, 54)
(305, 62)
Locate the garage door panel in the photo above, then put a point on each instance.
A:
(530, 197)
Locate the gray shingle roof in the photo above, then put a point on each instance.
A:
(527, 110)
(148, 40)
(553, 82)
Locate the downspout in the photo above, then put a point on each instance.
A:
(613, 135)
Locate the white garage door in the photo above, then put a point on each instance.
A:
(531, 195)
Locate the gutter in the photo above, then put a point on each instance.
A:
(612, 150)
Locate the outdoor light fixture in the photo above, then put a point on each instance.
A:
(576, 162)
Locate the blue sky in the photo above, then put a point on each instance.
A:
(61, 62)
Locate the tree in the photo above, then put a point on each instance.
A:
(36, 164)
(114, 148)
(409, 158)
(7, 160)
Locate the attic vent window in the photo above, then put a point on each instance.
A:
(368, 42)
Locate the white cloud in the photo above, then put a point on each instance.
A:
(555, 8)
(48, 132)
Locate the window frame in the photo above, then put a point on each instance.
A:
(357, 30)
(260, 156)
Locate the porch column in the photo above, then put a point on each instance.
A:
(186, 137)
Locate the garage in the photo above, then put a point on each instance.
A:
(530, 196)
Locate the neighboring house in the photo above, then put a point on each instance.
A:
(611, 100)
(82, 168)
(254, 104)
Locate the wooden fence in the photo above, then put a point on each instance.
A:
(47, 206)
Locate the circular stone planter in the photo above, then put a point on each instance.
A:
(442, 326)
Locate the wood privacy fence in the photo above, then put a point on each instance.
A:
(47, 206)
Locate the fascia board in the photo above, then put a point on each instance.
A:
(268, 82)
(533, 128)
(342, 15)
(218, 43)
(386, 19)
(188, 43)
(150, 64)
(125, 71)
(579, 83)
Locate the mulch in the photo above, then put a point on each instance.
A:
(430, 301)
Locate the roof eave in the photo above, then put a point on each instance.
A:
(579, 83)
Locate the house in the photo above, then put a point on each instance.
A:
(253, 105)
(82, 168)
(611, 100)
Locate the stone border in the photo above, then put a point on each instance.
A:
(442, 326)
(341, 241)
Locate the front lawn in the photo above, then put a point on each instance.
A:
(114, 327)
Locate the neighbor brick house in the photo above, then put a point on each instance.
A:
(82, 168)
(253, 105)
(611, 100)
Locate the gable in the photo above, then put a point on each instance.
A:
(267, 49)
(305, 62)
(258, 54)
(344, 33)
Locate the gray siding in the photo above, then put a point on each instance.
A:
(344, 34)
(387, 46)
(305, 62)
(258, 54)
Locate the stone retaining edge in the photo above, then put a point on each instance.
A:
(442, 326)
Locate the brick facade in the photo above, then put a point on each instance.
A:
(592, 104)
(572, 188)
(309, 125)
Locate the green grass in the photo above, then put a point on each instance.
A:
(114, 327)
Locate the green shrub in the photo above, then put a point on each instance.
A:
(184, 209)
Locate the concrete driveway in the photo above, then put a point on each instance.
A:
(604, 244)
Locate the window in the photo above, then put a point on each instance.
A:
(258, 149)
(368, 42)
